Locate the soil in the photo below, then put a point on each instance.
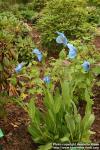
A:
(16, 136)
(96, 109)
(14, 127)
(97, 42)
(36, 37)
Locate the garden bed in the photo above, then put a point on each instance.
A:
(28, 54)
(16, 136)
(15, 126)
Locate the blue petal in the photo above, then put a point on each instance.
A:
(61, 39)
(46, 79)
(71, 47)
(19, 67)
(60, 33)
(86, 66)
(65, 41)
(72, 54)
(36, 51)
(39, 56)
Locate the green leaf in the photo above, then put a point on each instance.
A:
(49, 102)
(58, 103)
(31, 109)
(65, 138)
(62, 54)
(1, 68)
(6, 61)
(87, 122)
(14, 54)
(66, 93)
(97, 69)
(34, 132)
(1, 133)
(46, 147)
(13, 80)
(51, 115)
(70, 124)
(78, 126)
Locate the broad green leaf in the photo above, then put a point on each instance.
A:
(13, 80)
(49, 102)
(87, 121)
(49, 124)
(78, 126)
(57, 106)
(66, 93)
(97, 69)
(31, 109)
(86, 136)
(6, 61)
(33, 131)
(46, 147)
(1, 133)
(75, 108)
(62, 54)
(65, 138)
(89, 102)
(51, 115)
(1, 68)
(58, 103)
(70, 124)
(14, 54)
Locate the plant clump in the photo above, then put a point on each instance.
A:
(71, 19)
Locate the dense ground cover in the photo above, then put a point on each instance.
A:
(51, 94)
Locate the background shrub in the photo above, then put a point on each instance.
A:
(71, 19)
(25, 12)
(39, 4)
(94, 11)
(15, 45)
(4, 6)
(94, 2)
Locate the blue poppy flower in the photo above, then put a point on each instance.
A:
(46, 79)
(19, 67)
(71, 47)
(38, 54)
(61, 39)
(72, 51)
(72, 54)
(36, 51)
(86, 66)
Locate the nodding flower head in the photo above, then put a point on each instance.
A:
(38, 54)
(36, 51)
(19, 67)
(46, 79)
(61, 39)
(86, 66)
(72, 51)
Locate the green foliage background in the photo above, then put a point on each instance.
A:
(15, 46)
(70, 17)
